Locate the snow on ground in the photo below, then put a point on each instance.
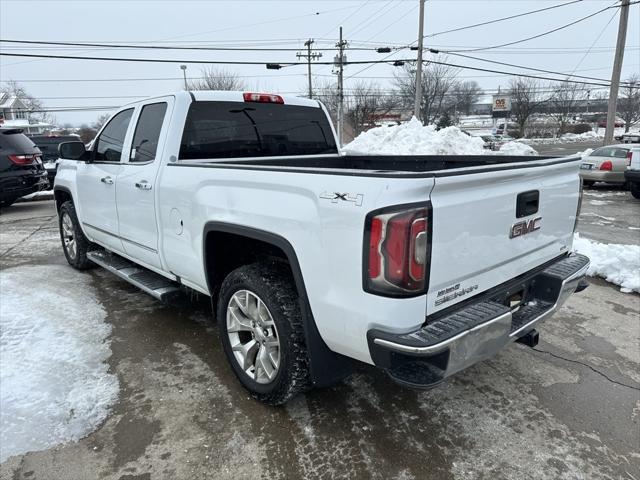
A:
(413, 138)
(55, 383)
(616, 263)
(517, 148)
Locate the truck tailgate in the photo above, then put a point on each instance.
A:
(491, 226)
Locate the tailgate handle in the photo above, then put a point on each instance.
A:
(527, 203)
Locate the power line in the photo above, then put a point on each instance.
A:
(510, 17)
(533, 69)
(167, 47)
(548, 32)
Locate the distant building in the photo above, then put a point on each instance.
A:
(14, 114)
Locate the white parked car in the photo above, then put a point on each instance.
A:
(605, 164)
(421, 265)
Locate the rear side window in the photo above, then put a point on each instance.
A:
(108, 146)
(16, 141)
(145, 140)
(239, 129)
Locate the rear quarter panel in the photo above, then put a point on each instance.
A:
(326, 236)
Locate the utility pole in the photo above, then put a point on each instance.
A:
(309, 56)
(418, 101)
(340, 60)
(615, 75)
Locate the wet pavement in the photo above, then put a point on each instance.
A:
(568, 409)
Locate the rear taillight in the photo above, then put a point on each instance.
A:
(396, 251)
(606, 165)
(262, 97)
(629, 155)
(23, 159)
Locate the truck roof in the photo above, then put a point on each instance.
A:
(232, 96)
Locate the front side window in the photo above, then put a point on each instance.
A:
(108, 146)
(145, 139)
(243, 129)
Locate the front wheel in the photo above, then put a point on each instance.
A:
(74, 243)
(261, 331)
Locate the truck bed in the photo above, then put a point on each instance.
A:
(381, 165)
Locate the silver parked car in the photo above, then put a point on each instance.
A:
(605, 164)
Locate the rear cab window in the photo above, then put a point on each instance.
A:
(615, 152)
(239, 129)
(147, 134)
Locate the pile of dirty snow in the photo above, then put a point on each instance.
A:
(616, 263)
(55, 382)
(413, 138)
(517, 148)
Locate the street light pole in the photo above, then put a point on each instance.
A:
(418, 100)
(615, 75)
(184, 74)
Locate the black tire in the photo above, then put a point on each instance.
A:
(77, 258)
(272, 283)
(635, 189)
(588, 183)
(7, 203)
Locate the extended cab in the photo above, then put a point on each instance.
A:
(421, 265)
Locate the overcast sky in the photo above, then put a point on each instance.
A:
(287, 24)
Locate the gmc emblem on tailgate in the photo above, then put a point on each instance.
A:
(524, 227)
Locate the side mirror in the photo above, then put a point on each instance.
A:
(72, 151)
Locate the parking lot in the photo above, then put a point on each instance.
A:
(568, 409)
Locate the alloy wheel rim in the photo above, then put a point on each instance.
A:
(68, 236)
(253, 336)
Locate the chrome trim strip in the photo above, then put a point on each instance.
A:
(442, 345)
(152, 250)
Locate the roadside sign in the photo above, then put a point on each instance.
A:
(501, 103)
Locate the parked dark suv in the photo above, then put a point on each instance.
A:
(48, 144)
(21, 169)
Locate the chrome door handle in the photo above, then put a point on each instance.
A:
(143, 185)
(107, 180)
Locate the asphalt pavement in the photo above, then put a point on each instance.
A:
(570, 408)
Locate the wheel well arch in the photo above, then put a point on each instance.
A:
(61, 195)
(228, 246)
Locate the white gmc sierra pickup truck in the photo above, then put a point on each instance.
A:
(421, 265)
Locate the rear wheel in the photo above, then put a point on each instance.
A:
(635, 189)
(74, 243)
(8, 202)
(588, 183)
(261, 331)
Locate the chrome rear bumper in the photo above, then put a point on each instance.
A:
(479, 329)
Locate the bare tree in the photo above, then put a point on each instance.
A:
(564, 102)
(217, 79)
(526, 99)
(86, 133)
(438, 82)
(629, 104)
(465, 95)
(101, 120)
(33, 107)
(365, 104)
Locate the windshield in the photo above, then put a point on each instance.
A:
(242, 129)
